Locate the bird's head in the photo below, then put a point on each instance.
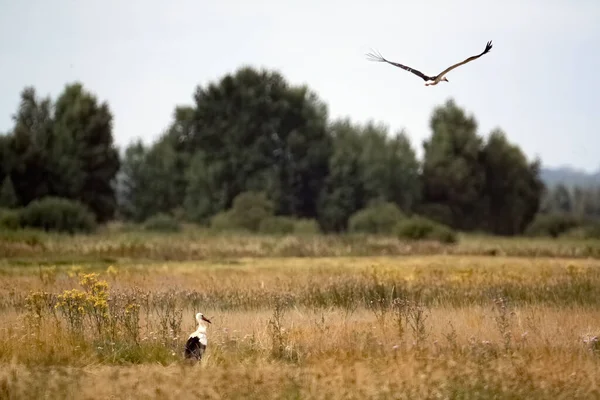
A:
(445, 79)
(200, 317)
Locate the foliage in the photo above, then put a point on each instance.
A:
(380, 217)
(251, 131)
(58, 214)
(452, 165)
(513, 189)
(8, 196)
(83, 130)
(154, 179)
(474, 185)
(367, 165)
(10, 219)
(589, 230)
(62, 149)
(250, 209)
(306, 226)
(162, 223)
(277, 225)
(552, 225)
(201, 193)
(258, 133)
(419, 228)
(224, 221)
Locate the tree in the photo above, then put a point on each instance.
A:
(27, 147)
(561, 199)
(202, 191)
(259, 133)
(8, 196)
(453, 178)
(390, 166)
(513, 188)
(135, 202)
(155, 179)
(367, 165)
(83, 128)
(344, 191)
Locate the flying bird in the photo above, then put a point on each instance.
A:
(197, 342)
(430, 80)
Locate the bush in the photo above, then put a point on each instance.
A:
(588, 230)
(248, 211)
(250, 208)
(224, 221)
(439, 213)
(420, 228)
(306, 226)
(10, 219)
(277, 225)
(162, 223)
(58, 214)
(552, 225)
(378, 218)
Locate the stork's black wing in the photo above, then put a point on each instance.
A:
(488, 47)
(193, 348)
(379, 58)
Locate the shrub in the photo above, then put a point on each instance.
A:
(10, 219)
(277, 225)
(223, 221)
(58, 214)
(377, 218)
(552, 225)
(250, 208)
(439, 213)
(8, 196)
(589, 230)
(248, 211)
(421, 228)
(162, 223)
(306, 226)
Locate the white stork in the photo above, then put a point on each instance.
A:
(196, 343)
(430, 80)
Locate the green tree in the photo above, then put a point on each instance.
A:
(8, 196)
(135, 201)
(513, 188)
(27, 147)
(259, 133)
(202, 190)
(154, 180)
(453, 178)
(344, 191)
(390, 166)
(83, 128)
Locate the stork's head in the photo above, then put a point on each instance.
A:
(200, 317)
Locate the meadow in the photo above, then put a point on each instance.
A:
(308, 316)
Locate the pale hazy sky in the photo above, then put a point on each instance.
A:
(539, 83)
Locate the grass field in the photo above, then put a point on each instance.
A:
(106, 316)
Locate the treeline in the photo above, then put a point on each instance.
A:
(253, 134)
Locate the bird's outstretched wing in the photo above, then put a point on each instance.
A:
(488, 47)
(375, 56)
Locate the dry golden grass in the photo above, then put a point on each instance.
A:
(196, 244)
(415, 326)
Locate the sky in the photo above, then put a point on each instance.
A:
(538, 84)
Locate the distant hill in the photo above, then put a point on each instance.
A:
(569, 177)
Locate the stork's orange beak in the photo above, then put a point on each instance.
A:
(206, 319)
